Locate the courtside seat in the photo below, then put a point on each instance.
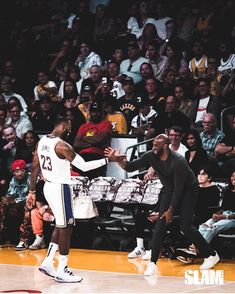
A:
(127, 223)
(128, 226)
(230, 234)
(105, 225)
(225, 243)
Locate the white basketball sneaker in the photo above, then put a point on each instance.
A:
(137, 252)
(48, 270)
(38, 244)
(209, 262)
(151, 269)
(147, 255)
(67, 276)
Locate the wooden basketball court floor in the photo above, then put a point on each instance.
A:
(104, 272)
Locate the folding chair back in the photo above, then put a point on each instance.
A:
(129, 191)
(152, 189)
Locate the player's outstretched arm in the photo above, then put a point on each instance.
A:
(66, 151)
(115, 155)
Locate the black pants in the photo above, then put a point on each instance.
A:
(186, 210)
(141, 223)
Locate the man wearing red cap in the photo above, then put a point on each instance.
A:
(14, 201)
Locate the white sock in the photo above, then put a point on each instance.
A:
(63, 261)
(39, 237)
(140, 243)
(53, 247)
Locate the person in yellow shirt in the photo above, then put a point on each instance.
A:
(116, 118)
(198, 64)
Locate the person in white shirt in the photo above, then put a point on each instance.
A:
(227, 60)
(87, 58)
(131, 65)
(205, 103)
(7, 93)
(20, 122)
(175, 134)
(160, 19)
(45, 87)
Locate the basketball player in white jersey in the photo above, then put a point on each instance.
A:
(54, 157)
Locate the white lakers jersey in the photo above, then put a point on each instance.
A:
(53, 168)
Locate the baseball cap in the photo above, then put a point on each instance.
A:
(142, 101)
(18, 164)
(95, 107)
(88, 87)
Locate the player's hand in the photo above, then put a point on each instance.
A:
(114, 155)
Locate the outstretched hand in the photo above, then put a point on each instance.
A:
(114, 155)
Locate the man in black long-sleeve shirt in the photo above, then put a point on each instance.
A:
(179, 191)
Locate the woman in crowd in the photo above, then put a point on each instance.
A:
(149, 34)
(26, 153)
(208, 195)
(175, 58)
(184, 104)
(69, 89)
(196, 156)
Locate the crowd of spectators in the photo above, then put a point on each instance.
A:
(116, 68)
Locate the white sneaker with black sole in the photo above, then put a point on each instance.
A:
(67, 276)
(209, 262)
(37, 244)
(48, 270)
(21, 246)
(137, 252)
